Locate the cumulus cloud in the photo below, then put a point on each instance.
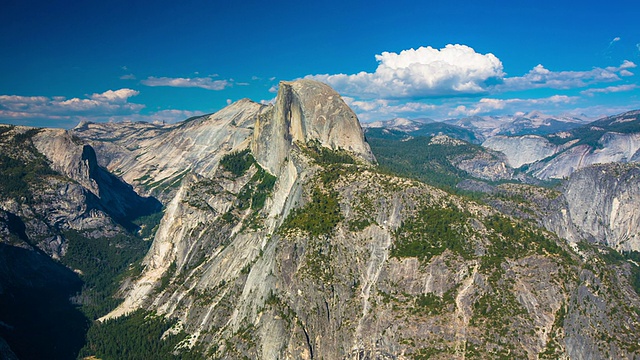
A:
(268, 101)
(609, 89)
(457, 70)
(199, 82)
(117, 96)
(488, 105)
(422, 72)
(540, 77)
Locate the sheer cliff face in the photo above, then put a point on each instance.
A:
(601, 205)
(307, 110)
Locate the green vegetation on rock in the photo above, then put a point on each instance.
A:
(21, 171)
(255, 192)
(430, 232)
(417, 158)
(319, 216)
(138, 335)
(326, 156)
(237, 162)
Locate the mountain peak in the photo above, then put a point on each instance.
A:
(307, 110)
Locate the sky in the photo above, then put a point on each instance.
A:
(62, 61)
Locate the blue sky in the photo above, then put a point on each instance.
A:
(66, 61)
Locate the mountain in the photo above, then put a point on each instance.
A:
(403, 129)
(282, 237)
(533, 123)
(400, 124)
(601, 202)
(475, 129)
(440, 160)
(68, 228)
(338, 260)
(556, 156)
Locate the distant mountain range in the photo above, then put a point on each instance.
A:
(476, 129)
(544, 146)
(558, 155)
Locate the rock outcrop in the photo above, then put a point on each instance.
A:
(611, 148)
(305, 111)
(70, 157)
(522, 150)
(601, 206)
(155, 158)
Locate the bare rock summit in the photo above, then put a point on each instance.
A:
(307, 110)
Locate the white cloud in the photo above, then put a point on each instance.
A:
(273, 89)
(457, 70)
(488, 105)
(540, 77)
(229, 101)
(422, 72)
(118, 96)
(203, 82)
(128, 77)
(108, 103)
(609, 89)
(615, 39)
(268, 101)
(627, 65)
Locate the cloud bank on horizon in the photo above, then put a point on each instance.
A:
(454, 81)
(111, 105)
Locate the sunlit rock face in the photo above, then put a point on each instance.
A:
(601, 206)
(304, 111)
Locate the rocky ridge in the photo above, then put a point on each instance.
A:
(558, 155)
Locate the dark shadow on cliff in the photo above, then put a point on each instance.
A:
(117, 198)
